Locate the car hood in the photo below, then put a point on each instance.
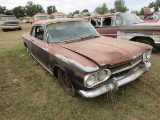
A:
(103, 50)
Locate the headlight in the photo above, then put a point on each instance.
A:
(90, 80)
(147, 55)
(104, 74)
(96, 78)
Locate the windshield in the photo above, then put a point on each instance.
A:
(158, 14)
(68, 31)
(4, 18)
(127, 19)
(41, 17)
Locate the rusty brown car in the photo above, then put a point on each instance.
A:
(127, 26)
(151, 16)
(83, 61)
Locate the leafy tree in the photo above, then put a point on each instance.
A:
(102, 9)
(2, 9)
(155, 5)
(19, 11)
(76, 12)
(85, 10)
(51, 9)
(98, 9)
(9, 12)
(112, 10)
(39, 9)
(32, 9)
(120, 6)
(141, 11)
(136, 12)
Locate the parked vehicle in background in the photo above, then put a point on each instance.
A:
(83, 61)
(78, 16)
(9, 22)
(26, 19)
(127, 26)
(39, 16)
(151, 16)
(56, 15)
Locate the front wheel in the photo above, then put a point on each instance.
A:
(66, 83)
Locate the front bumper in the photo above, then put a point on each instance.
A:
(10, 27)
(116, 82)
(157, 44)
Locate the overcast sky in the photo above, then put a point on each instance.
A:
(67, 6)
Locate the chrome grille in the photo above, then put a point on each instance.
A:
(126, 66)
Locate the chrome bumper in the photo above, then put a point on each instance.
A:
(157, 44)
(117, 82)
(10, 27)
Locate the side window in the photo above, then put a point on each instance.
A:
(39, 32)
(33, 31)
(96, 22)
(155, 17)
(107, 21)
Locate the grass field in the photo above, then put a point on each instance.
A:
(29, 92)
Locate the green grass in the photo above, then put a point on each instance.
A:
(29, 92)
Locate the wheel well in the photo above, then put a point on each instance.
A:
(139, 37)
(25, 44)
(55, 71)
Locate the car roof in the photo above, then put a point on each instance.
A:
(48, 21)
(104, 15)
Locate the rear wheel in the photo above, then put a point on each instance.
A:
(66, 83)
(148, 41)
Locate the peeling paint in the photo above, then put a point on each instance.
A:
(70, 61)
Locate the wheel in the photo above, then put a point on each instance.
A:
(66, 83)
(19, 28)
(147, 41)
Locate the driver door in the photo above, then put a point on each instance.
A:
(40, 46)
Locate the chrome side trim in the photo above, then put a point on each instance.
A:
(117, 82)
(41, 63)
(123, 69)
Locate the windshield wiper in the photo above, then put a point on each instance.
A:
(81, 39)
(89, 36)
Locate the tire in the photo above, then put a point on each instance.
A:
(148, 41)
(19, 28)
(66, 83)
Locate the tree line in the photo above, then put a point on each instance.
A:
(31, 9)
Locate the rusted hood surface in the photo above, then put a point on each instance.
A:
(105, 50)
